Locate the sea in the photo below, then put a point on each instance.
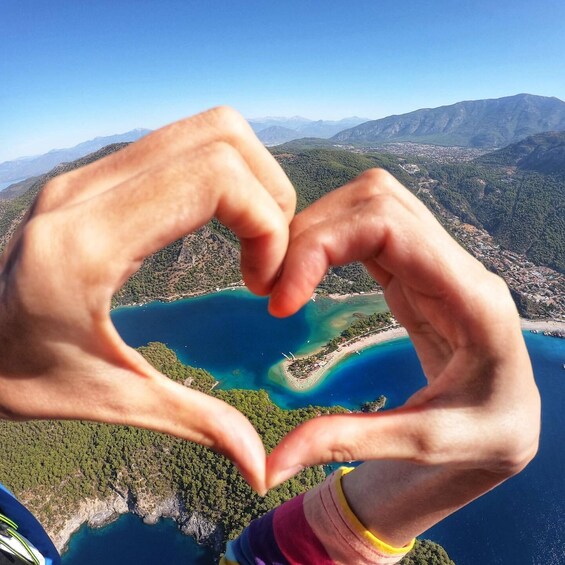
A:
(4, 185)
(231, 335)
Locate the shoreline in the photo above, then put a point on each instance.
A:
(398, 332)
(542, 325)
(337, 356)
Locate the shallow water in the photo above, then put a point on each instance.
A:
(519, 523)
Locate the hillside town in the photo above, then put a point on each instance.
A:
(420, 151)
(539, 291)
(541, 287)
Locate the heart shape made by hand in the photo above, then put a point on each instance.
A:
(91, 228)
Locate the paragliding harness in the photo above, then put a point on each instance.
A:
(22, 539)
(14, 548)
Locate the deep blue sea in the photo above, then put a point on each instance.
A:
(231, 335)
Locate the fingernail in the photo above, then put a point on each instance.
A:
(285, 474)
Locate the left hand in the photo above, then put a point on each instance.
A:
(87, 232)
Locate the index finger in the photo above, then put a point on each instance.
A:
(373, 219)
(173, 142)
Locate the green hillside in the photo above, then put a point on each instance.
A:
(54, 466)
(523, 209)
(542, 153)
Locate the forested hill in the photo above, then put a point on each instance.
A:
(517, 194)
(209, 258)
(523, 209)
(61, 469)
(544, 153)
(479, 123)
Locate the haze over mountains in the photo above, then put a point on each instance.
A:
(487, 124)
(479, 123)
(274, 131)
(26, 167)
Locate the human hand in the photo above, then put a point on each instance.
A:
(481, 408)
(87, 232)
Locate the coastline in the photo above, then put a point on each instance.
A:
(100, 512)
(542, 325)
(335, 357)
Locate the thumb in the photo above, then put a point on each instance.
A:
(189, 414)
(396, 434)
(138, 395)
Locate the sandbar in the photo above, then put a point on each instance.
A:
(333, 358)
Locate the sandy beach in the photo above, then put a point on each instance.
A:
(394, 333)
(543, 325)
(336, 356)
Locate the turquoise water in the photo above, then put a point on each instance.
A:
(130, 541)
(520, 522)
(232, 335)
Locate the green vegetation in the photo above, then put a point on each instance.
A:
(198, 263)
(53, 466)
(315, 172)
(364, 325)
(374, 405)
(544, 153)
(82, 460)
(427, 552)
(523, 210)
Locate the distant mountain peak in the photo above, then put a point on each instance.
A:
(298, 127)
(492, 123)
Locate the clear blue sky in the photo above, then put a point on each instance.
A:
(71, 70)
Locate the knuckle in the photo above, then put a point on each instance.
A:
(514, 461)
(52, 194)
(520, 445)
(377, 180)
(340, 453)
(375, 187)
(31, 264)
(492, 298)
(36, 238)
(226, 160)
(228, 120)
(429, 448)
(500, 289)
(339, 446)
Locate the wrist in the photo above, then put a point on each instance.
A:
(398, 501)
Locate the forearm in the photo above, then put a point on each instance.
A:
(397, 501)
(315, 527)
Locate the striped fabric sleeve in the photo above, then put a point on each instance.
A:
(317, 527)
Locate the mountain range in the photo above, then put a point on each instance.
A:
(25, 167)
(479, 123)
(516, 194)
(487, 124)
(274, 131)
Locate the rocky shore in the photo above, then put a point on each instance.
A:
(97, 513)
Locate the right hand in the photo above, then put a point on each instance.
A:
(87, 232)
(481, 407)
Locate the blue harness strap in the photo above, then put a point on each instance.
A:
(28, 526)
